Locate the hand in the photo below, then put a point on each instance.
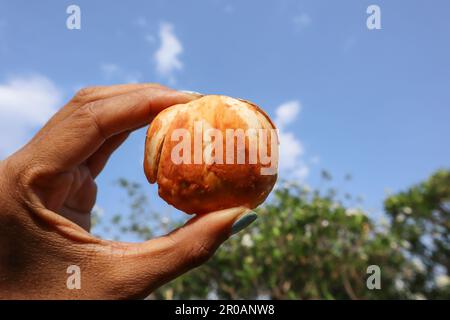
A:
(47, 191)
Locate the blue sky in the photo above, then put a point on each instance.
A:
(372, 103)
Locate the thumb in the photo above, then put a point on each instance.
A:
(146, 266)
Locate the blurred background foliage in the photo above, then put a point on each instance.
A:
(312, 244)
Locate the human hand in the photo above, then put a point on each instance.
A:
(47, 192)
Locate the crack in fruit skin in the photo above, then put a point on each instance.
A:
(206, 187)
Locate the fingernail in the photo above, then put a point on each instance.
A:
(243, 221)
(197, 94)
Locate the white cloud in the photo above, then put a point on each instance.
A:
(26, 103)
(301, 172)
(167, 56)
(291, 164)
(292, 149)
(287, 112)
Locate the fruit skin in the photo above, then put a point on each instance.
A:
(201, 188)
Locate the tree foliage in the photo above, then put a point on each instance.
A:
(307, 244)
(420, 216)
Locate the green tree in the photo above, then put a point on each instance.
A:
(420, 216)
(309, 244)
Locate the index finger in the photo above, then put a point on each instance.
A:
(79, 135)
(90, 94)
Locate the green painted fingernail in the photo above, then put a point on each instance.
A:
(243, 222)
